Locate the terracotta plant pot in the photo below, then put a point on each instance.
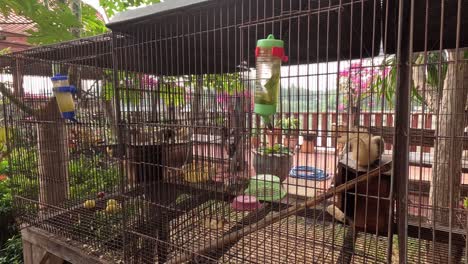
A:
(290, 141)
(309, 143)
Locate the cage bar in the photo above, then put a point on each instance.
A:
(168, 161)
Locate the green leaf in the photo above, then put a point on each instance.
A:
(111, 7)
(434, 63)
(91, 24)
(129, 88)
(5, 51)
(12, 253)
(172, 94)
(275, 149)
(53, 23)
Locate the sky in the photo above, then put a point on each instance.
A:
(95, 5)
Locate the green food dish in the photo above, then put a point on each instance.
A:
(266, 187)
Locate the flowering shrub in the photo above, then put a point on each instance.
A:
(356, 84)
(227, 101)
(149, 81)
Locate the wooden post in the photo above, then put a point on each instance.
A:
(324, 130)
(257, 121)
(414, 124)
(389, 123)
(367, 119)
(378, 120)
(344, 118)
(52, 149)
(18, 90)
(305, 122)
(334, 121)
(53, 156)
(314, 121)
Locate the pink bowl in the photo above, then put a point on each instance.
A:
(245, 203)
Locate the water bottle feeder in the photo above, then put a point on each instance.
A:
(269, 54)
(63, 93)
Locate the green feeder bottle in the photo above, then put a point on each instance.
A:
(269, 55)
(63, 94)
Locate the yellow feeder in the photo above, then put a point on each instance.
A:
(63, 93)
(197, 173)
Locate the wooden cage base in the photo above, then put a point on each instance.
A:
(41, 247)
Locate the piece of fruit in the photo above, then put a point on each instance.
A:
(112, 202)
(112, 208)
(89, 204)
(101, 194)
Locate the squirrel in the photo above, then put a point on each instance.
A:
(364, 147)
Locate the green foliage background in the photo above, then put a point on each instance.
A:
(54, 19)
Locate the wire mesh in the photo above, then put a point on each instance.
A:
(170, 162)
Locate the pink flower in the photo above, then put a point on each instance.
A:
(188, 97)
(356, 90)
(150, 81)
(356, 65)
(344, 73)
(221, 98)
(341, 107)
(367, 84)
(385, 72)
(356, 80)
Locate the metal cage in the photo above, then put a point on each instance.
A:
(169, 162)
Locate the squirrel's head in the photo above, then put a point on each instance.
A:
(341, 132)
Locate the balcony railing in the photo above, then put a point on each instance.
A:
(321, 122)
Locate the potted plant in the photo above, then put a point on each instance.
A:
(309, 142)
(276, 160)
(289, 127)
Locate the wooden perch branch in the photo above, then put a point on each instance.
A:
(49, 112)
(275, 217)
(28, 110)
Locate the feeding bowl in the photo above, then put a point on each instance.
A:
(245, 203)
(308, 173)
(266, 187)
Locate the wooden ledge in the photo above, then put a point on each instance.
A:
(43, 247)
